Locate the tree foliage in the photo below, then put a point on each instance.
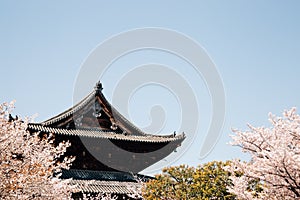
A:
(275, 160)
(28, 163)
(206, 181)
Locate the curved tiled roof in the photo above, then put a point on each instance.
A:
(120, 120)
(70, 111)
(104, 134)
(110, 187)
(89, 181)
(84, 174)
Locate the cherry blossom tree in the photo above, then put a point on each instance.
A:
(28, 163)
(274, 169)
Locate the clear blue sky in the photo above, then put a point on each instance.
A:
(254, 44)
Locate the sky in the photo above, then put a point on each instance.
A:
(254, 45)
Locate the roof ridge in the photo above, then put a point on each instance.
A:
(70, 111)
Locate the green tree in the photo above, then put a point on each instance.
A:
(208, 181)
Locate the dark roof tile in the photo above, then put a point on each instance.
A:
(104, 134)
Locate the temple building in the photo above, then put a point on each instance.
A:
(110, 151)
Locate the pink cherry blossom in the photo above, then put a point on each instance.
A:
(28, 162)
(275, 160)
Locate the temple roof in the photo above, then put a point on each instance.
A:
(79, 174)
(102, 181)
(95, 117)
(107, 187)
(108, 141)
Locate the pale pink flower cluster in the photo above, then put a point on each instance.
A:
(275, 160)
(136, 190)
(27, 162)
(99, 196)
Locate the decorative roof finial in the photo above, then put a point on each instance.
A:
(98, 86)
